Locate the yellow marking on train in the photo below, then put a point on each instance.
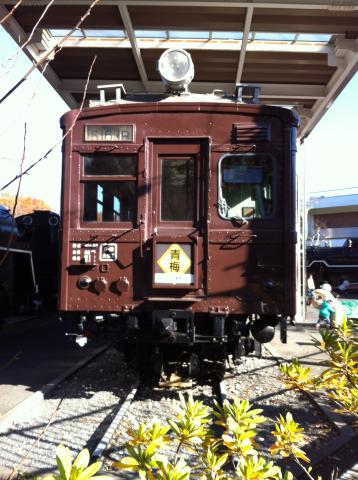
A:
(174, 260)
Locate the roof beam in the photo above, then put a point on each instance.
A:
(343, 55)
(254, 46)
(33, 53)
(344, 5)
(245, 39)
(336, 84)
(132, 39)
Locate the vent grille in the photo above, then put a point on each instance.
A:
(251, 132)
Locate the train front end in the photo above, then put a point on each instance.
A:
(178, 218)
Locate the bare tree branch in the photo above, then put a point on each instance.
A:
(27, 41)
(20, 174)
(27, 106)
(11, 12)
(50, 54)
(11, 236)
(36, 25)
(64, 136)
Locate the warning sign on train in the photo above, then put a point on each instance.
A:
(174, 260)
(174, 264)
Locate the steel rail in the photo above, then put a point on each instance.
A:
(105, 441)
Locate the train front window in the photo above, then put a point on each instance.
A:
(107, 164)
(246, 186)
(109, 188)
(109, 202)
(177, 190)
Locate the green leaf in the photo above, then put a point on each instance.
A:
(64, 461)
(90, 471)
(82, 459)
(142, 474)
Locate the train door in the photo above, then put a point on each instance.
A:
(177, 217)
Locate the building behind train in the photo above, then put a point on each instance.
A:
(332, 239)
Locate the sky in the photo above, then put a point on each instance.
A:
(330, 153)
(37, 105)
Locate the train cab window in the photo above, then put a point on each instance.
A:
(112, 197)
(246, 186)
(109, 202)
(177, 189)
(105, 164)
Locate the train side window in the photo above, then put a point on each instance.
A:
(177, 189)
(246, 186)
(109, 188)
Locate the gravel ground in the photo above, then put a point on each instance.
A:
(255, 379)
(258, 380)
(152, 405)
(346, 460)
(80, 408)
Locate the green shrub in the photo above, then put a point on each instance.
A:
(340, 380)
(201, 450)
(219, 444)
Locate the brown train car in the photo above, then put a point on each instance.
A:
(178, 225)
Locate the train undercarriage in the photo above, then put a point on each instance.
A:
(163, 342)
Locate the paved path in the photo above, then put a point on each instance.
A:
(32, 354)
(300, 345)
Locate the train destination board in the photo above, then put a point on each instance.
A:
(174, 263)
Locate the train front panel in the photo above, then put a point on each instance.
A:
(178, 220)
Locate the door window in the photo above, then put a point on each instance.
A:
(177, 189)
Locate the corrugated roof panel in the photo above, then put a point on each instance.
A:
(58, 16)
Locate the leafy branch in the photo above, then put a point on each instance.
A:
(340, 379)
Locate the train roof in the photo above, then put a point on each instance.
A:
(144, 102)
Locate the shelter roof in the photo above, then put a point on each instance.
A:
(302, 54)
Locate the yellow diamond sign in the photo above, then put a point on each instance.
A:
(174, 260)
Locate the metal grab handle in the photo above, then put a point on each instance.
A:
(234, 236)
(141, 222)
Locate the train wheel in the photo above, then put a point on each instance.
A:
(158, 366)
(219, 371)
(238, 351)
(283, 329)
(257, 349)
(150, 363)
(212, 369)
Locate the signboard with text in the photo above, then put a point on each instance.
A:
(173, 264)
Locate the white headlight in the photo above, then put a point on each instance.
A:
(176, 68)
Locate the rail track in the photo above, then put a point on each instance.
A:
(75, 413)
(95, 406)
(147, 404)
